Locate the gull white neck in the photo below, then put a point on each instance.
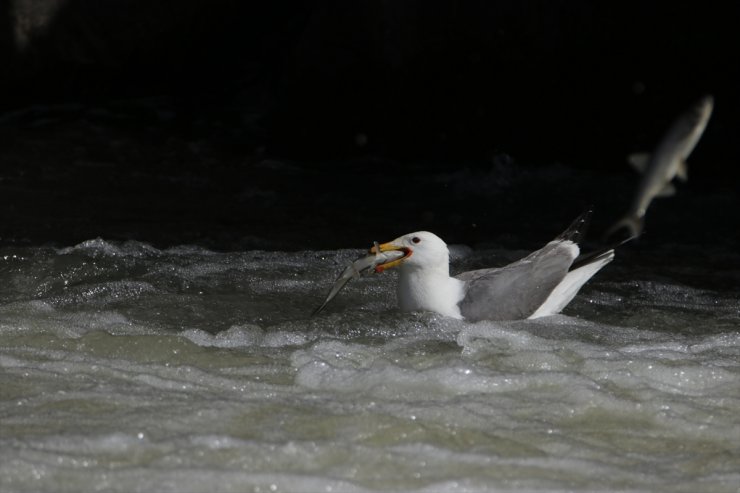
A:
(429, 289)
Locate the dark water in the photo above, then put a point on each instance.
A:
(177, 353)
(133, 170)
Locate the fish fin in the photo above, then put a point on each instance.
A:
(668, 191)
(683, 170)
(594, 256)
(639, 160)
(633, 224)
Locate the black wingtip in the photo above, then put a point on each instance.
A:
(577, 228)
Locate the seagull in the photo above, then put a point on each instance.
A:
(540, 284)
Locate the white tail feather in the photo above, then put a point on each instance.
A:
(569, 286)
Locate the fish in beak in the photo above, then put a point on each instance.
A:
(380, 258)
(391, 246)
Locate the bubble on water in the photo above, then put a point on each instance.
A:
(285, 338)
(103, 293)
(248, 336)
(499, 336)
(236, 336)
(102, 248)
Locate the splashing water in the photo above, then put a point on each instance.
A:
(127, 368)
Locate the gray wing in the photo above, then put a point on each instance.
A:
(518, 289)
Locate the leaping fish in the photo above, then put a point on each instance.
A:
(666, 162)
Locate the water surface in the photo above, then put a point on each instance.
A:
(129, 368)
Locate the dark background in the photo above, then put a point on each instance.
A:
(327, 124)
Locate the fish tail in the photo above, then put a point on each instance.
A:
(633, 224)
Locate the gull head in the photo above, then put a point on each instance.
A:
(421, 250)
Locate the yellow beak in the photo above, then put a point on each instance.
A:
(387, 247)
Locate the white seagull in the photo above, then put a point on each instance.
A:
(538, 285)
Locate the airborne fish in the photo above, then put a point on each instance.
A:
(666, 162)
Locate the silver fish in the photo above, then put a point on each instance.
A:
(667, 162)
(361, 266)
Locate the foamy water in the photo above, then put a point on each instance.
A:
(127, 368)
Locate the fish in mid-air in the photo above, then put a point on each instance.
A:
(667, 162)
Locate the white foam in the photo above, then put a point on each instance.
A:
(248, 336)
(182, 369)
(236, 336)
(103, 293)
(103, 248)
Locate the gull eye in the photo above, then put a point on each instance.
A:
(415, 239)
